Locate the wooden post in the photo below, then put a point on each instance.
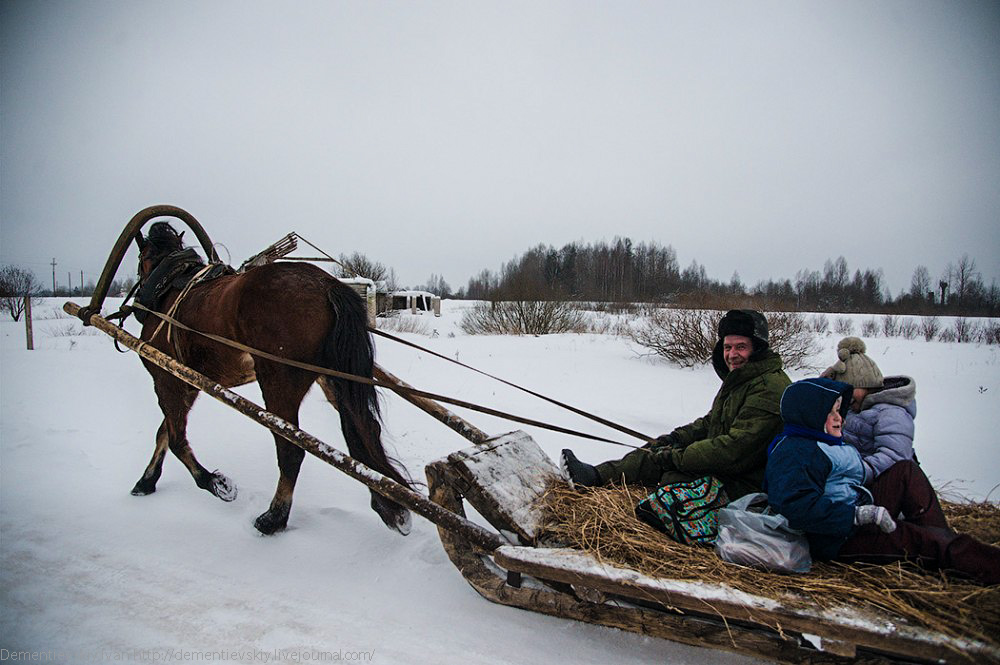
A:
(27, 323)
(384, 485)
(371, 294)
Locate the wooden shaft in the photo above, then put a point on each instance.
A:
(385, 486)
(455, 422)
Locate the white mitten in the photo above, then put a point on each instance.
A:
(876, 515)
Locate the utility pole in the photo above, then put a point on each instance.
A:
(53, 276)
(81, 282)
(69, 282)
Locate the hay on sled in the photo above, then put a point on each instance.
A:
(601, 521)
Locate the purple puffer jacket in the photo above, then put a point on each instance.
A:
(883, 430)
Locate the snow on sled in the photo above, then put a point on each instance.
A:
(503, 479)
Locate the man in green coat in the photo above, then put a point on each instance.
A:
(730, 442)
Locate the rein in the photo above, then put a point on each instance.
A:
(569, 407)
(388, 386)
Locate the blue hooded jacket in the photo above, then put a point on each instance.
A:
(812, 478)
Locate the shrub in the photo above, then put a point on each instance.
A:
(869, 327)
(991, 332)
(688, 336)
(965, 330)
(890, 325)
(522, 317)
(908, 328)
(947, 335)
(819, 323)
(789, 337)
(600, 323)
(844, 325)
(683, 336)
(930, 327)
(404, 324)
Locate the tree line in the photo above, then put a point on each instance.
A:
(622, 271)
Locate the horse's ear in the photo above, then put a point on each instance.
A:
(140, 241)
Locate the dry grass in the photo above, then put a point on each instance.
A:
(602, 522)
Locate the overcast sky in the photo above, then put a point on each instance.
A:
(448, 137)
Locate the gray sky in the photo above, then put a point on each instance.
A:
(448, 137)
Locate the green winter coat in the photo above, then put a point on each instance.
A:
(730, 442)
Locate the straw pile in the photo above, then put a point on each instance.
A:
(601, 522)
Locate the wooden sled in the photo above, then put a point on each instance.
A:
(503, 477)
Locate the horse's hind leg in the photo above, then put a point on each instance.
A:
(176, 399)
(283, 389)
(357, 426)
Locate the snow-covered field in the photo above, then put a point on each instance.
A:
(89, 573)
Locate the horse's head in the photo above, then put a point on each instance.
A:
(161, 241)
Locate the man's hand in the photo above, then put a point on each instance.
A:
(664, 458)
(876, 515)
(662, 442)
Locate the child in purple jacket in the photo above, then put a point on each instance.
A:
(880, 422)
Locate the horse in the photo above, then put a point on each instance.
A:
(295, 311)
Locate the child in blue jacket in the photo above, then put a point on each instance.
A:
(817, 483)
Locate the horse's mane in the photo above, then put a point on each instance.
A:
(164, 238)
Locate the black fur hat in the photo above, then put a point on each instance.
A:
(746, 322)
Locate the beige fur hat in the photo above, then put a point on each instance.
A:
(853, 366)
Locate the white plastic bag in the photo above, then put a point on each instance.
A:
(751, 535)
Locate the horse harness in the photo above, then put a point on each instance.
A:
(183, 270)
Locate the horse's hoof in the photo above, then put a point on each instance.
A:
(404, 523)
(222, 487)
(394, 515)
(269, 524)
(143, 487)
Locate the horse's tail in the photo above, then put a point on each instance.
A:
(349, 348)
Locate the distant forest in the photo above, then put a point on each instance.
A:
(625, 272)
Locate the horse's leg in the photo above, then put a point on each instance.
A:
(360, 425)
(176, 399)
(283, 389)
(147, 484)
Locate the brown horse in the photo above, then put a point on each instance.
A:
(292, 310)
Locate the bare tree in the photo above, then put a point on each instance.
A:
(16, 284)
(436, 285)
(967, 279)
(359, 265)
(920, 283)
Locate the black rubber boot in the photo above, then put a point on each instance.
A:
(577, 473)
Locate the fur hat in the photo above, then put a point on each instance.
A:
(853, 366)
(746, 322)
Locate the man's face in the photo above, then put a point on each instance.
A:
(736, 350)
